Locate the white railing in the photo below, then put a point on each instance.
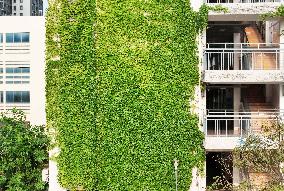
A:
(227, 123)
(244, 1)
(243, 56)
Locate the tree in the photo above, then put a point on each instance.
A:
(259, 154)
(263, 153)
(23, 154)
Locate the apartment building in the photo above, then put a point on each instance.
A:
(243, 71)
(5, 7)
(22, 66)
(21, 7)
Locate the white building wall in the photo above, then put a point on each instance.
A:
(32, 54)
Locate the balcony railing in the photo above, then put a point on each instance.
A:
(227, 123)
(243, 56)
(244, 1)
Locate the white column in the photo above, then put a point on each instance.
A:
(237, 41)
(236, 176)
(281, 96)
(268, 32)
(281, 23)
(237, 100)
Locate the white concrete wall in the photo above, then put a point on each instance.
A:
(35, 58)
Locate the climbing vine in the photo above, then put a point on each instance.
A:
(70, 90)
(120, 75)
(278, 13)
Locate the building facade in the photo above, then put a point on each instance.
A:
(22, 66)
(21, 7)
(242, 67)
(5, 7)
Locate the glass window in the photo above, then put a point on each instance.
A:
(25, 70)
(17, 96)
(9, 97)
(9, 37)
(21, 14)
(17, 37)
(1, 70)
(26, 97)
(9, 70)
(14, 1)
(17, 70)
(21, 7)
(21, 1)
(1, 38)
(25, 37)
(15, 8)
(1, 96)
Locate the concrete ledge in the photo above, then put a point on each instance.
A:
(242, 11)
(221, 143)
(243, 76)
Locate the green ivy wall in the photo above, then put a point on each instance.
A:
(120, 75)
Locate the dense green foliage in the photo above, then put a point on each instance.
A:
(121, 111)
(147, 70)
(23, 154)
(70, 89)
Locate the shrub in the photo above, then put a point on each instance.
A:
(23, 154)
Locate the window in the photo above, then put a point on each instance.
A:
(1, 96)
(15, 14)
(18, 37)
(21, 1)
(18, 70)
(25, 37)
(17, 97)
(14, 1)
(9, 37)
(21, 14)
(21, 7)
(15, 8)
(1, 38)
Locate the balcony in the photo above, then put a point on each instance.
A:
(243, 63)
(225, 128)
(242, 10)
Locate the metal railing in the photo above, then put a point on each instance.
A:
(244, 1)
(243, 56)
(228, 123)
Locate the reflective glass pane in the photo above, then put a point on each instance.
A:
(9, 37)
(1, 96)
(17, 70)
(17, 97)
(26, 97)
(9, 97)
(25, 70)
(1, 37)
(9, 70)
(17, 37)
(25, 37)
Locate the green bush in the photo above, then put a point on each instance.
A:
(23, 154)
